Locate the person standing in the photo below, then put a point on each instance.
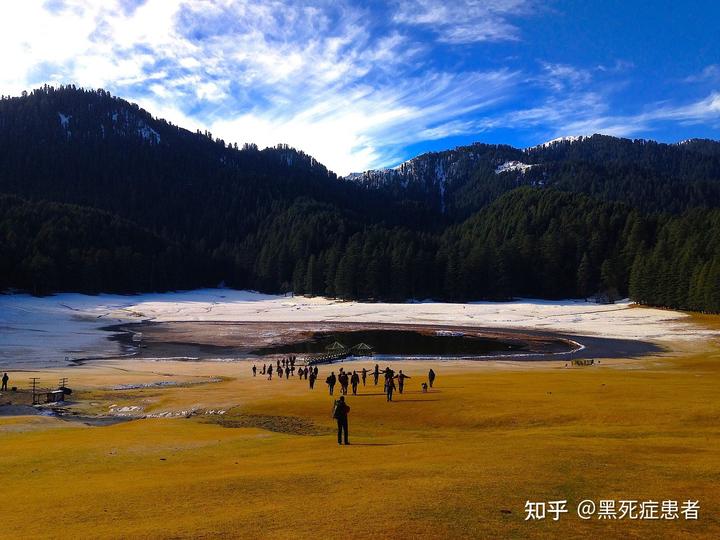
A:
(331, 380)
(364, 375)
(287, 371)
(270, 370)
(401, 381)
(264, 369)
(431, 377)
(254, 370)
(312, 379)
(5, 380)
(340, 414)
(376, 374)
(389, 388)
(354, 381)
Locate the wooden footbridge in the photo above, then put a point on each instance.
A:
(337, 351)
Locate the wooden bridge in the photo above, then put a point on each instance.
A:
(337, 351)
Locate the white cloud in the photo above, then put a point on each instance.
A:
(348, 85)
(465, 21)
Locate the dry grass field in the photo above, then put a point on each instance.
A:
(459, 461)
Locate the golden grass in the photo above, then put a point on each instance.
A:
(450, 463)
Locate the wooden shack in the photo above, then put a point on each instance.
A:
(363, 349)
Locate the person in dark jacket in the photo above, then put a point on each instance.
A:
(344, 380)
(364, 375)
(312, 379)
(340, 414)
(401, 381)
(254, 370)
(376, 374)
(5, 380)
(389, 388)
(431, 377)
(270, 370)
(354, 381)
(331, 380)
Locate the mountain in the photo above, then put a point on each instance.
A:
(648, 175)
(96, 194)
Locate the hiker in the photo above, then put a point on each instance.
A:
(431, 377)
(364, 375)
(389, 374)
(401, 380)
(376, 373)
(312, 380)
(5, 380)
(340, 412)
(270, 370)
(331, 380)
(389, 388)
(354, 381)
(254, 370)
(344, 381)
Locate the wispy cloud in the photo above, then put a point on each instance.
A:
(352, 83)
(465, 21)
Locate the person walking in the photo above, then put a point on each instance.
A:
(431, 377)
(344, 381)
(389, 388)
(364, 375)
(264, 370)
(331, 380)
(287, 371)
(376, 374)
(270, 370)
(5, 380)
(340, 414)
(316, 371)
(401, 380)
(354, 381)
(254, 370)
(312, 379)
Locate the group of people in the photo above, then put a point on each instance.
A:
(341, 409)
(346, 380)
(286, 366)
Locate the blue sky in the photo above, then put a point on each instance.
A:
(370, 84)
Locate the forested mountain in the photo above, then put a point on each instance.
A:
(97, 195)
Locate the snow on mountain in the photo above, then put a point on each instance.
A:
(513, 166)
(126, 123)
(64, 120)
(553, 142)
(431, 173)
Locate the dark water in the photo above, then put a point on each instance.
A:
(400, 342)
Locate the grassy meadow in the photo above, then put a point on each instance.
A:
(459, 461)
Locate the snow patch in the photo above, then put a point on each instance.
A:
(64, 120)
(513, 166)
(553, 142)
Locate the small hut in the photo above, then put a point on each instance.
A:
(336, 347)
(363, 349)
